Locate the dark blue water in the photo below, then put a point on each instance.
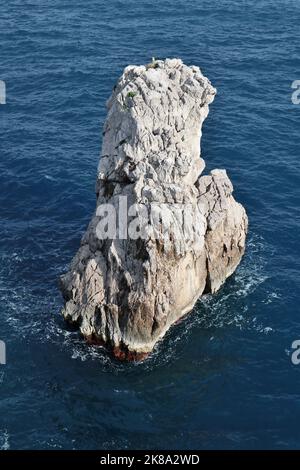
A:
(223, 378)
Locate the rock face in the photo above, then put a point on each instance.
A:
(162, 234)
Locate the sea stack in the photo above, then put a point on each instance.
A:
(162, 234)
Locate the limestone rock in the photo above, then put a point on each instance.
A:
(162, 234)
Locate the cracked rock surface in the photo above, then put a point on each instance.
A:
(125, 291)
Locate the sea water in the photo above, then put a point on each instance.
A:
(222, 378)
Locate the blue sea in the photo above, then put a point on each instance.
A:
(223, 378)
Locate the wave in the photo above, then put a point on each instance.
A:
(4, 440)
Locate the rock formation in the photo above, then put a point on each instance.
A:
(162, 234)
